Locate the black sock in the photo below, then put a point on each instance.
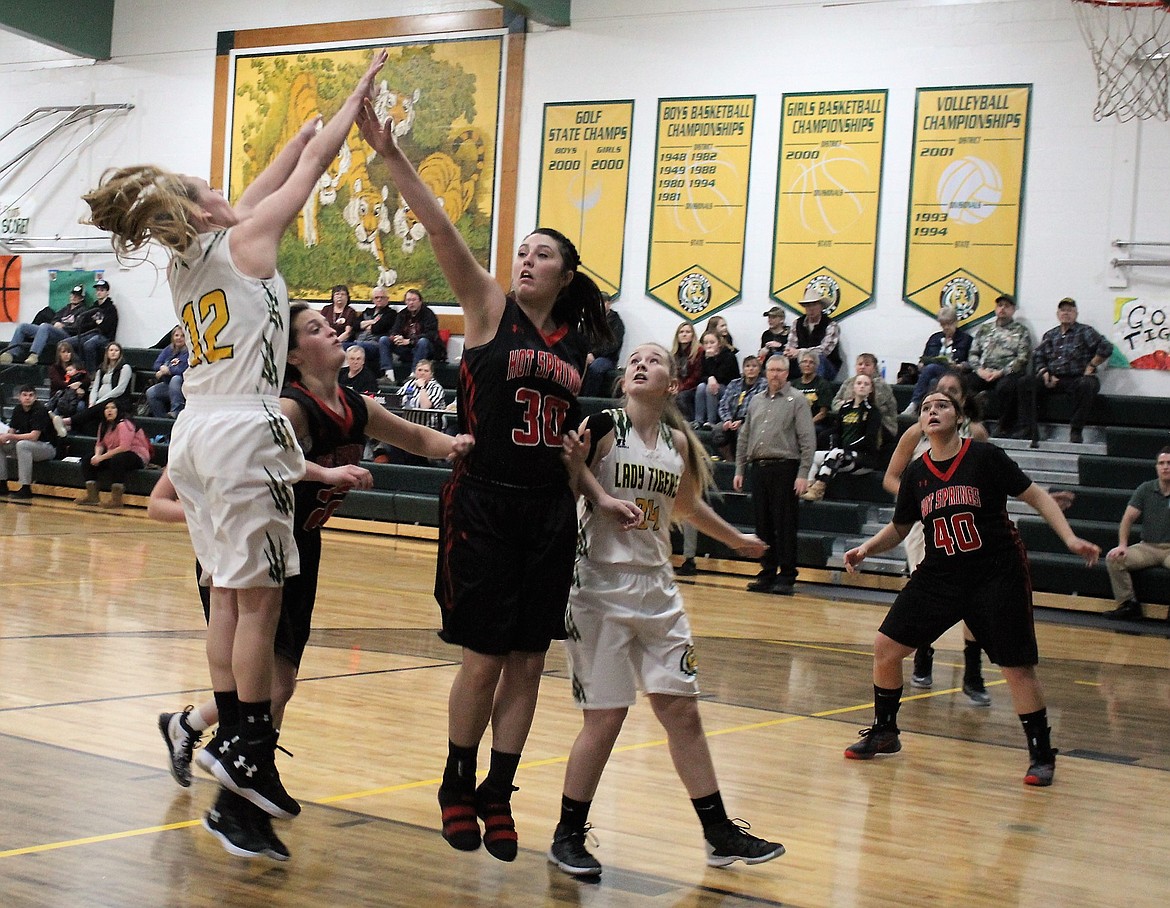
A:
(710, 809)
(227, 704)
(501, 773)
(459, 772)
(972, 663)
(574, 814)
(256, 720)
(1038, 733)
(886, 701)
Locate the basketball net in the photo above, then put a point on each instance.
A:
(1130, 43)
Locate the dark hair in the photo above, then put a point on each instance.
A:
(969, 405)
(24, 388)
(1006, 298)
(415, 291)
(121, 415)
(291, 372)
(1165, 450)
(579, 304)
(344, 289)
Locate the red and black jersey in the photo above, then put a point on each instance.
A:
(517, 396)
(962, 503)
(335, 439)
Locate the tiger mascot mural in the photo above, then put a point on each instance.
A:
(366, 210)
(398, 106)
(444, 176)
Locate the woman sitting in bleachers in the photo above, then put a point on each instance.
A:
(856, 441)
(112, 383)
(165, 397)
(688, 357)
(68, 382)
(121, 448)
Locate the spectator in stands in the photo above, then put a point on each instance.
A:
(165, 396)
(121, 449)
(341, 316)
(778, 440)
(887, 404)
(817, 332)
(415, 335)
(376, 323)
(688, 355)
(601, 361)
(48, 327)
(716, 370)
(945, 349)
(775, 336)
(856, 442)
(112, 382)
(422, 391)
(819, 394)
(1150, 504)
(998, 358)
(29, 437)
(1065, 362)
(356, 374)
(68, 382)
(718, 325)
(99, 325)
(733, 405)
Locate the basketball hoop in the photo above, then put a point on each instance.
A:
(1130, 43)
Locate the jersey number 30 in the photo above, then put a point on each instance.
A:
(544, 418)
(204, 321)
(956, 533)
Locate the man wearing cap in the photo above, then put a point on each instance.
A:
(46, 329)
(1066, 362)
(817, 332)
(775, 336)
(98, 327)
(998, 358)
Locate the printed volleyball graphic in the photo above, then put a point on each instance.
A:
(969, 190)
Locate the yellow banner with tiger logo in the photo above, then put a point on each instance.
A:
(702, 161)
(828, 193)
(585, 182)
(966, 197)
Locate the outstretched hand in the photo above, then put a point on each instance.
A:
(461, 447)
(751, 546)
(1089, 551)
(853, 559)
(574, 450)
(349, 476)
(380, 136)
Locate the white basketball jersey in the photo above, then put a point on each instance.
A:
(236, 326)
(648, 477)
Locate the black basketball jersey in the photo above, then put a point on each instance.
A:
(962, 503)
(517, 396)
(335, 439)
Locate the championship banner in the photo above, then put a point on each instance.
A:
(585, 182)
(1141, 334)
(698, 213)
(966, 190)
(828, 193)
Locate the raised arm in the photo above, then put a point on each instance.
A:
(690, 505)
(476, 290)
(256, 238)
(900, 459)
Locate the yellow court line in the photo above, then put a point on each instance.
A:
(1089, 683)
(531, 764)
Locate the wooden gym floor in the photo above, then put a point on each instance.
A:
(100, 630)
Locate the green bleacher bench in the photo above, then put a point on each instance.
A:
(1114, 472)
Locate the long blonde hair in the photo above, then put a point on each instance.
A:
(697, 461)
(143, 203)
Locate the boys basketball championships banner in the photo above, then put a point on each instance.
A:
(698, 213)
(966, 189)
(1141, 333)
(585, 182)
(828, 192)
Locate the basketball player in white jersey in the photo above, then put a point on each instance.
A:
(625, 619)
(233, 455)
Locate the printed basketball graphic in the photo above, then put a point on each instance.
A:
(825, 188)
(969, 190)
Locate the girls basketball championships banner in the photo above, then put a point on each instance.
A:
(702, 160)
(442, 90)
(828, 192)
(585, 182)
(966, 190)
(1141, 333)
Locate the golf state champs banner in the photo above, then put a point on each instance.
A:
(585, 181)
(966, 194)
(702, 160)
(828, 192)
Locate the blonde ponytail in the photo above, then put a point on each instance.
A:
(143, 203)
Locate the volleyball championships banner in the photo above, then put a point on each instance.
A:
(1141, 333)
(585, 181)
(966, 190)
(828, 192)
(702, 160)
